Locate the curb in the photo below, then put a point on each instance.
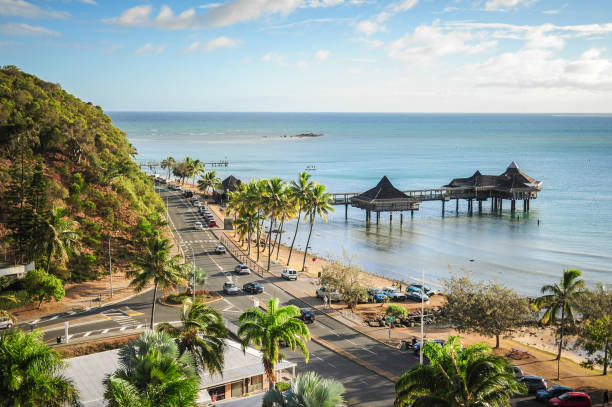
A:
(355, 359)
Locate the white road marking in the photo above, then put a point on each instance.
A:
(139, 326)
(35, 321)
(104, 331)
(54, 317)
(70, 336)
(312, 354)
(330, 329)
(123, 328)
(348, 340)
(368, 350)
(331, 365)
(87, 333)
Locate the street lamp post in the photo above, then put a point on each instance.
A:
(110, 267)
(194, 273)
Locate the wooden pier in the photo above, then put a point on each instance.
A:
(154, 164)
(512, 185)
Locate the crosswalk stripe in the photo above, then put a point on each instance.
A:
(87, 333)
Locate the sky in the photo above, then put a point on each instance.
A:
(489, 56)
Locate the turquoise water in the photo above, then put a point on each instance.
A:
(571, 154)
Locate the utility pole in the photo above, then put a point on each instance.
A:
(422, 312)
(110, 268)
(193, 270)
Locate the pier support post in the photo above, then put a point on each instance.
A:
(367, 216)
(501, 205)
(377, 217)
(401, 218)
(492, 204)
(443, 202)
(512, 205)
(345, 211)
(412, 214)
(390, 217)
(479, 206)
(457, 206)
(524, 205)
(528, 205)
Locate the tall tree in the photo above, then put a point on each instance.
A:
(287, 210)
(559, 303)
(264, 330)
(596, 334)
(43, 286)
(273, 204)
(30, 372)
(62, 236)
(318, 205)
(158, 267)
(202, 333)
(346, 278)
(153, 373)
(458, 377)
(490, 309)
(209, 181)
(168, 164)
(196, 167)
(300, 191)
(308, 390)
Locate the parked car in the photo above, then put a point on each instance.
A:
(518, 372)
(289, 274)
(242, 269)
(230, 288)
(551, 392)
(196, 203)
(5, 322)
(377, 295)
(572, 398)
(533, 383)
(253, 288)
(220, 249)
(425, 289)
(198, 226)
(394, 294)
(414, 293)
(187, 193)
(417, 346)
(307, 316)
(332, 294)
(212, 224)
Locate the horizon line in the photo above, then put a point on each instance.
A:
(363, 112)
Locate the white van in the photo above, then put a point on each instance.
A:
(289, 274)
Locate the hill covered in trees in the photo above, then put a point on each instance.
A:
(68, 181)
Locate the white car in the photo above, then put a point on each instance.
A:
(289, 274)
(332, 295)
(220, 249)
(230, 288)
(242, 269)
(198, 226)
(394, 294)
(5, 322)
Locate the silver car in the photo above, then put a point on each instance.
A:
(242, 269)
(5, 322)
(230, 288)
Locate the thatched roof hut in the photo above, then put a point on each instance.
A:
(384, 197)
(230, 184)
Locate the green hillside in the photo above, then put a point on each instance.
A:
(65, 168)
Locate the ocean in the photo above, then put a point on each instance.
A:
(570, 154)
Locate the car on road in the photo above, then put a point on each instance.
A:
(518, 372)
(417, 346)
(394, 294)
(416, 294)
(306, 315)
(230, 288)
(253, 288)
(572, 398)
(427, 290)
(220, 249)
(5, 322)
(533, 383)
(242, 269)
(289, 274)
(187, 193)
(332, 294)
(198, 226)
(212, 224)
(553, 391)
(196, 203)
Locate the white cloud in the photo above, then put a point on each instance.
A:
(135, 16)
(301, 64)
(22, 8)
(245, 10)
(428, 42)
(92, 2)
(500, 5)
(322, 55)
(375, 24)
(540, 69)
(210, 5)
(273, 57)
(538, 38)
(149, 48)
(215, 43)
(323, 3)
(18, 29)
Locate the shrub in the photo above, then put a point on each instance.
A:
(282, 386)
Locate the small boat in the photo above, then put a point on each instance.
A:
(311, 168)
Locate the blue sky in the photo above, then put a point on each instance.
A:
(319, 55)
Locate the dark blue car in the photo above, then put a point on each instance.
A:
(552, 391)
(253, 288)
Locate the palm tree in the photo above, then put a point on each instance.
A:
(158, 267)
(62, 237)
(196, 167)
(153, 373)
(457, 377)
(286, 212)
(308, 390)
(202, 334)
(272, 203)
(561, 299)
(317, 204)
(169, 163)
(300, 191)
(30, 372)
(208, 181)
(265, 329)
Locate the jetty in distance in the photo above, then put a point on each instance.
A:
(513, 185)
